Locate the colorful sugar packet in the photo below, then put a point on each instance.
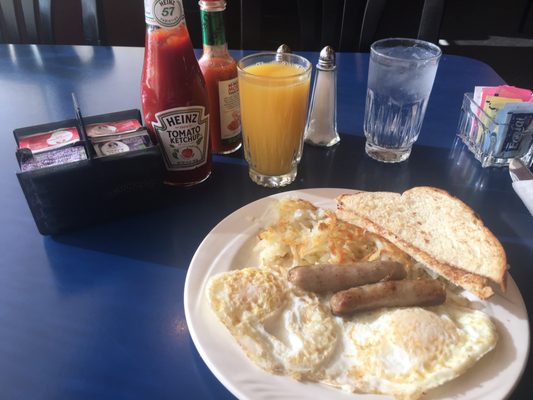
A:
(506, 116)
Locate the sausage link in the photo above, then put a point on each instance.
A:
(321, 278)
(406, 293)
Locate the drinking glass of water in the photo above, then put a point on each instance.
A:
(400, 78)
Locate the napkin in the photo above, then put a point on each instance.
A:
(524, 190)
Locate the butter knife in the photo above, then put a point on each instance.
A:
(519, 171)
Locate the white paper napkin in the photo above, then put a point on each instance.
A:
(524, 190)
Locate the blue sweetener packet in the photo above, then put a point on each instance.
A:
(517, 137)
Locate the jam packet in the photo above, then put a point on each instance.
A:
(46, 141)
(121, 143)
(45, 149)
(112, 128)
(111, 138)
(45, 159)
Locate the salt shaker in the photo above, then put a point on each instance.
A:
(321, 128)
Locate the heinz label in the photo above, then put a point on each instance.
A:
(183, 133)
(164, 13)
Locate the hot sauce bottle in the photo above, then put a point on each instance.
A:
(174, 95)
(220, 73)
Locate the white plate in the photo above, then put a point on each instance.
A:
(228, 246)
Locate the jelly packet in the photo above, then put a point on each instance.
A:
(112, 128)
(46, 149)
(64, 145)
(121, 143)
(110, 138)
(51, 140)
(59, 156)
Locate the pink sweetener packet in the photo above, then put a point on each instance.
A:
(481, 93)
(514, 92)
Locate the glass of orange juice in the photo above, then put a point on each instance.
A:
(274, 89)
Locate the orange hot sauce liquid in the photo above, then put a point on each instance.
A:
(218, 69)
(172, 78)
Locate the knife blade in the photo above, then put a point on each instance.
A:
(519, 171)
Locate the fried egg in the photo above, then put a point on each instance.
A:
(278, 329)
(403, 352)
(246, 295)
(400, 352)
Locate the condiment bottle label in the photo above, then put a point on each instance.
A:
(183, 133)
(230, 114)
(164, 13)
(213, 33)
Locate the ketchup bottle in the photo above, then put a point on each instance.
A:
(220, 73)
(174, 95)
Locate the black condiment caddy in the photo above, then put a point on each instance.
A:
(69, 196)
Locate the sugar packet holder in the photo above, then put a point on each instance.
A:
(496, 141)
(88, 191)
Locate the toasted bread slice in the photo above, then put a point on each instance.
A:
(436, 229)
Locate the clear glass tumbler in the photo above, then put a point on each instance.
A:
(400, 77)
(274, 93)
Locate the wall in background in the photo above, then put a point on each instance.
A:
(501, 36)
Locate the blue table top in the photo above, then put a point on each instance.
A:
(98, 312)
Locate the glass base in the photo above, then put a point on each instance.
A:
(230, 150)
(323, 142)
(387, 155)
(273, 181)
